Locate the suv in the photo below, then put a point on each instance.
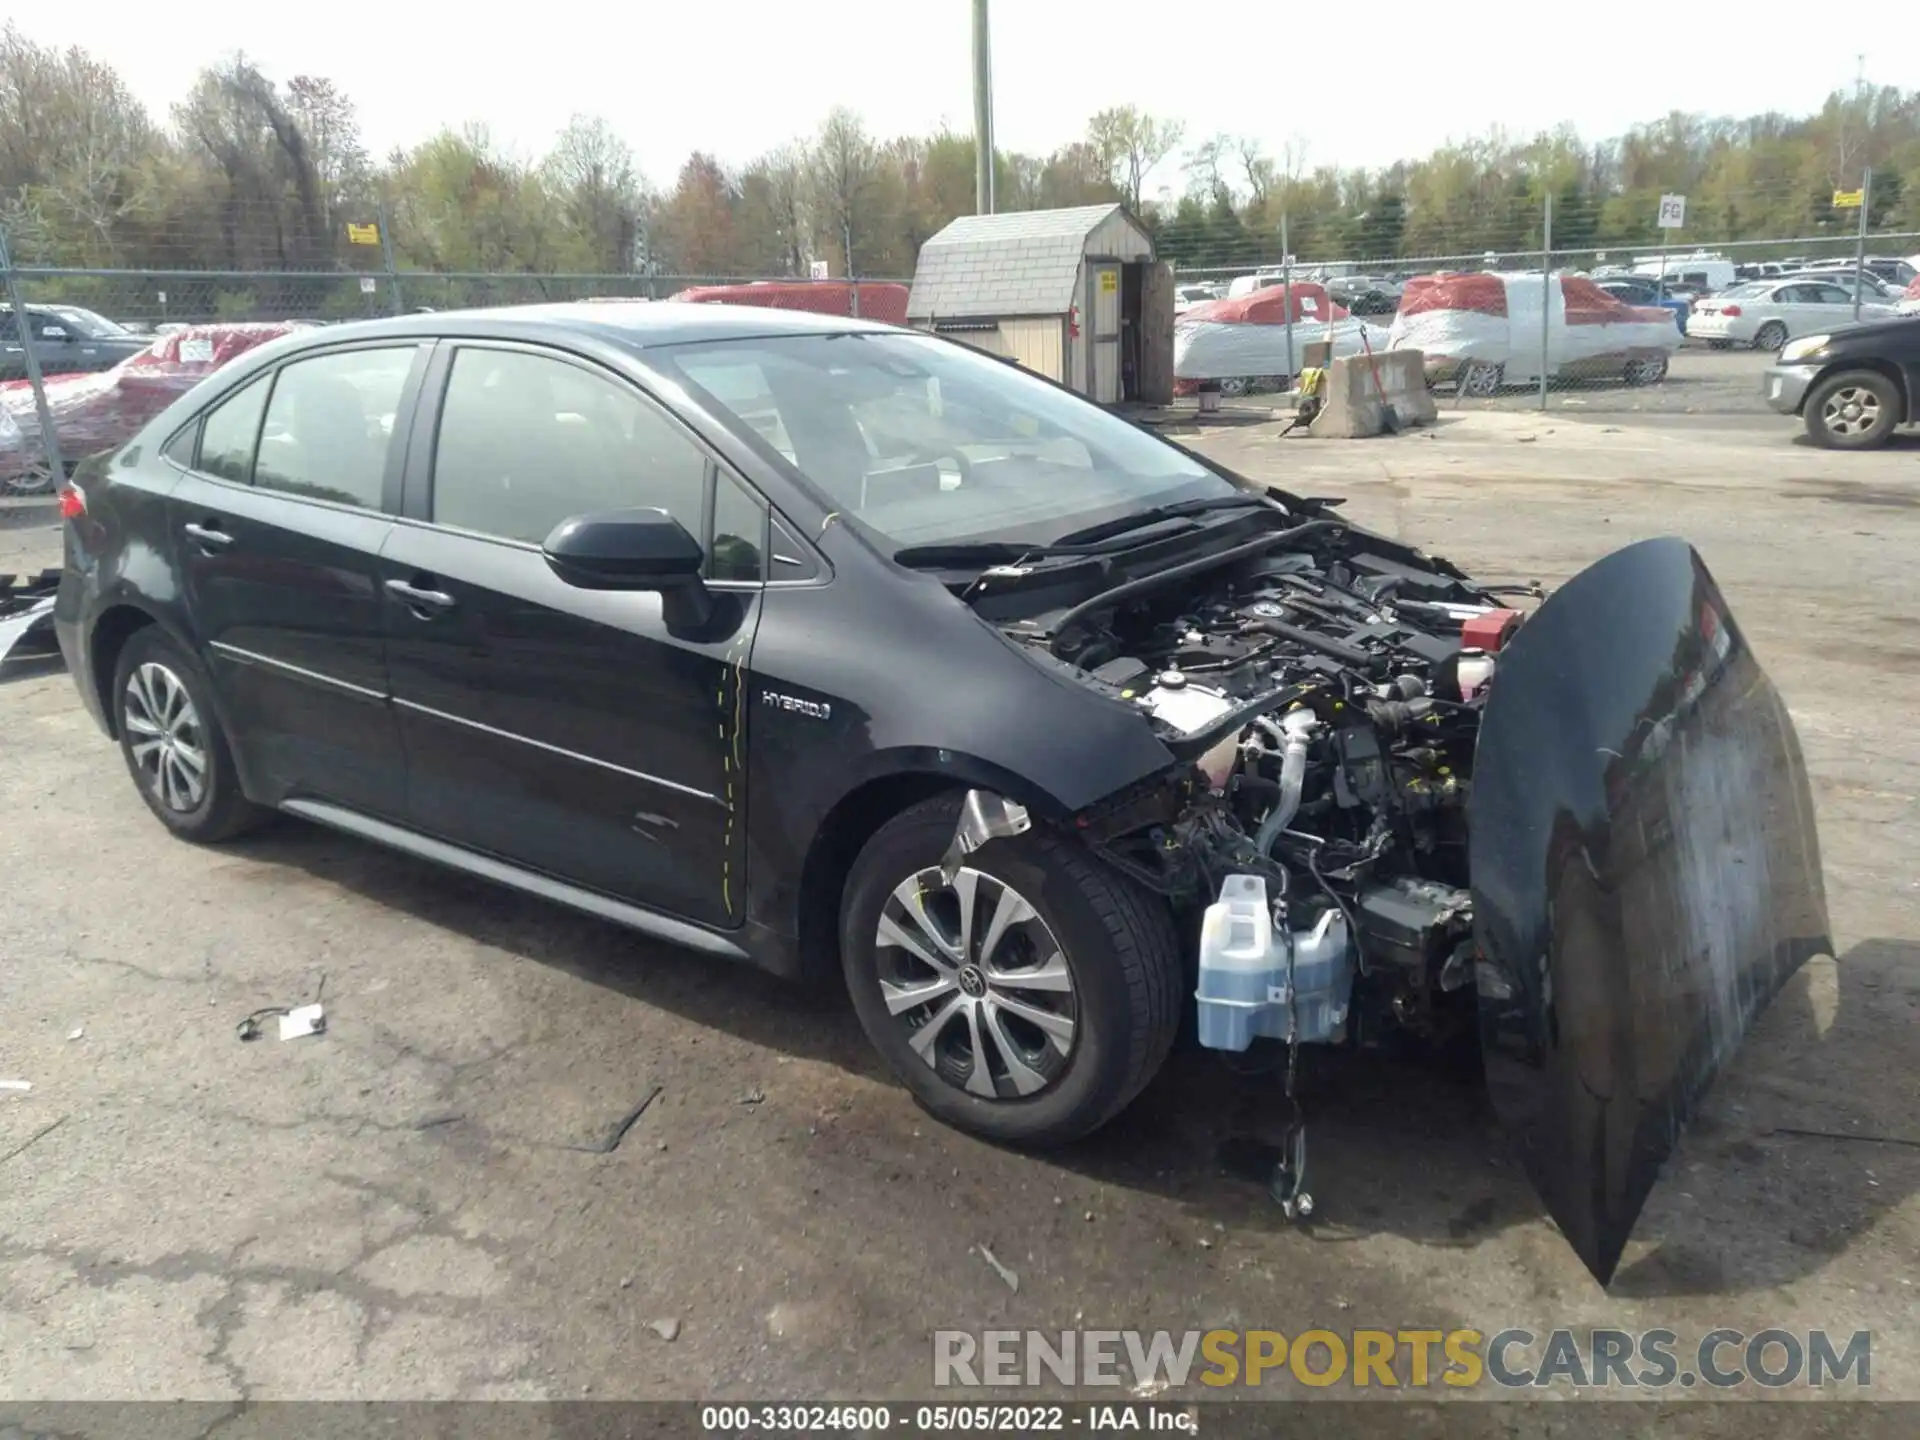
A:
(1853, 387)
(66, 340)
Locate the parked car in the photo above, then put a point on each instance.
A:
(1767, 313)
(1910, 301)
(1023, 722)
(1482, 331)
(66, 340)
(1894, 273)
(1186, 296)
(102, 411)
(1639, 290)
(1870, 285)
(1366, 294)
(1853, 387)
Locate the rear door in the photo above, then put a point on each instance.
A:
(573, 732)
(278, 525)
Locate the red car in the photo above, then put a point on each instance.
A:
(101, 411)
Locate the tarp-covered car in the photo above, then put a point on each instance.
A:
(1242, 342)
(1484, 330)
(95, 412)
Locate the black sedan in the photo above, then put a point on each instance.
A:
(1852, 387)
(834, 647)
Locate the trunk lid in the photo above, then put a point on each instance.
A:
(1646, 874)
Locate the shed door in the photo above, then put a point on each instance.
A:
(1103, 304)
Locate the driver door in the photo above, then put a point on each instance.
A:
(573, 732)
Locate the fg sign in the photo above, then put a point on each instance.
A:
(1673, 212)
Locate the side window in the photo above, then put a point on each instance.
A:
(180, 448)
(791, 559)
(329, 424)
(527, 441)
(1834, 295)
(9, 327)
(739, 534)
(229, 431)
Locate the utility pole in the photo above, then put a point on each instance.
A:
(982, 112)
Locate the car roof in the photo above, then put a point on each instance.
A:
(632, 327)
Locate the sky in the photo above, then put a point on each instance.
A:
(1390, 81)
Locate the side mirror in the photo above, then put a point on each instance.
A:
(624, 550)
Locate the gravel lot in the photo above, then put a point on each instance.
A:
(414, 1206)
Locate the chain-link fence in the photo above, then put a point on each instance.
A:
(85, 357)
(1517, 303)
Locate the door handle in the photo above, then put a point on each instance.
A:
(208, 537)
(423, 602)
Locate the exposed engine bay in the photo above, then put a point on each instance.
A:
(1328, 698)
(1398, 804)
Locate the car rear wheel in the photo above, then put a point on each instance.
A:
(1854, 410)
(1646, 372)
(173, 744)
(1481, 379)
(1770, 336)
(1029, 999)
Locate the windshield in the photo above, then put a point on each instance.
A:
(95, 327)
(930, 442)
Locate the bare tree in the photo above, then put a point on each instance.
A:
(840, 177)
(600, 189)
(1130, 144)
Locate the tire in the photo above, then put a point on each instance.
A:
(1235, 385)
(1481, 379)
(1853, 410)
(1719, 344)
(1770, 336)
(159, 739)
(1117, 951)
(1645, 372)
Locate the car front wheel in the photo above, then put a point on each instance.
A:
(173, 744)
(1028, 998)
(1482, 379)
(1854, 410)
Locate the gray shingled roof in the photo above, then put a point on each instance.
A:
(1021, 262)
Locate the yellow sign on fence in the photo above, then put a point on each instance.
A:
(370, 234)
(1109, 281)
(1849, 199)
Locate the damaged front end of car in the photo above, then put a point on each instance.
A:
(1400, 804)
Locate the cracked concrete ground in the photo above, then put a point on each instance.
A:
(410, 1206)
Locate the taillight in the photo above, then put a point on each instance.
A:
(1732, 312)
(73, 502)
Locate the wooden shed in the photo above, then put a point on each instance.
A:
(1074, 295)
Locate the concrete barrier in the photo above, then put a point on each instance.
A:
(1352, 408)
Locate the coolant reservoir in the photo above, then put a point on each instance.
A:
(1243, 970)
(1476, 668)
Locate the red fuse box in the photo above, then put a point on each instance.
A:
(1490, 631)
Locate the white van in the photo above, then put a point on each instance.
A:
(1705, 273)
(1259, 280)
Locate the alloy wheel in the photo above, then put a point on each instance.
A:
(1851, 410)
(1481, 379)
(164, 737)
(979, 982)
